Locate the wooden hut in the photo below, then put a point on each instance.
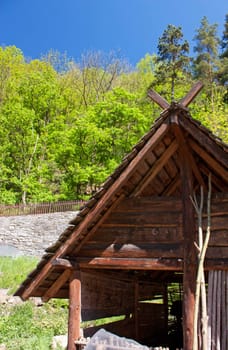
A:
(135, 238)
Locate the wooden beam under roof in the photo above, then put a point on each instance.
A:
(132, 263)
(156, 167)
(213, 163)
(204, 140)
(171, 188)
(218, 183)
(183, 145)
(53, 290)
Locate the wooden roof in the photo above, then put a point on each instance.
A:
(149, 173)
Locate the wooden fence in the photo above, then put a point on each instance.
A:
(40, 208)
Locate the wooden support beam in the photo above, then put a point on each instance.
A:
(171, 188)
(132, 263)
(160, 264)
(190, 256)
(156, 167)
(158, 99)
(53, 290)
(183, 143)
(191, 94)
(74, 309)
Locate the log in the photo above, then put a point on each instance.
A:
(74, 309)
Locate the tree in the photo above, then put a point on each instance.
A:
(11, 60)
(224, 43)
(206, 62)
(98, 73)
(59, 61)
(172, 55)
(222, 74)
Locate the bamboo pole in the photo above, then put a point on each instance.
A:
(200, 278)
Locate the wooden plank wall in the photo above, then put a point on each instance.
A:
(151, 227)
(218, 244)
(139, 227)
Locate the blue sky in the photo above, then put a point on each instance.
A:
(132, 27)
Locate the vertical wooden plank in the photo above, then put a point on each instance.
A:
(190, 253)
(227, 306)
(214, 309)
(224, 344)
(136, 311)
(209, 307)
(218, 312)
(74, 309)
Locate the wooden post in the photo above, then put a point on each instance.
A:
(190, 256)
(74, 309)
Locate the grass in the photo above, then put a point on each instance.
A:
(14, 270)
(26, 326)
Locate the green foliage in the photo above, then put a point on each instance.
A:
(65, 126)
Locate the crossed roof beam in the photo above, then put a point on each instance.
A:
(185, 101)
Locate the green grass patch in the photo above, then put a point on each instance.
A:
(26, 326)
(13, 271)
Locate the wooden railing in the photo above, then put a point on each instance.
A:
(40, 208)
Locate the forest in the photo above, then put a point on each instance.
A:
(66, 125)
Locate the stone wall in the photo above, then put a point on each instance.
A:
(30, 235)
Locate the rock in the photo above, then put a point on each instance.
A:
(2, 347)
(3, 297)
(59, 340)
